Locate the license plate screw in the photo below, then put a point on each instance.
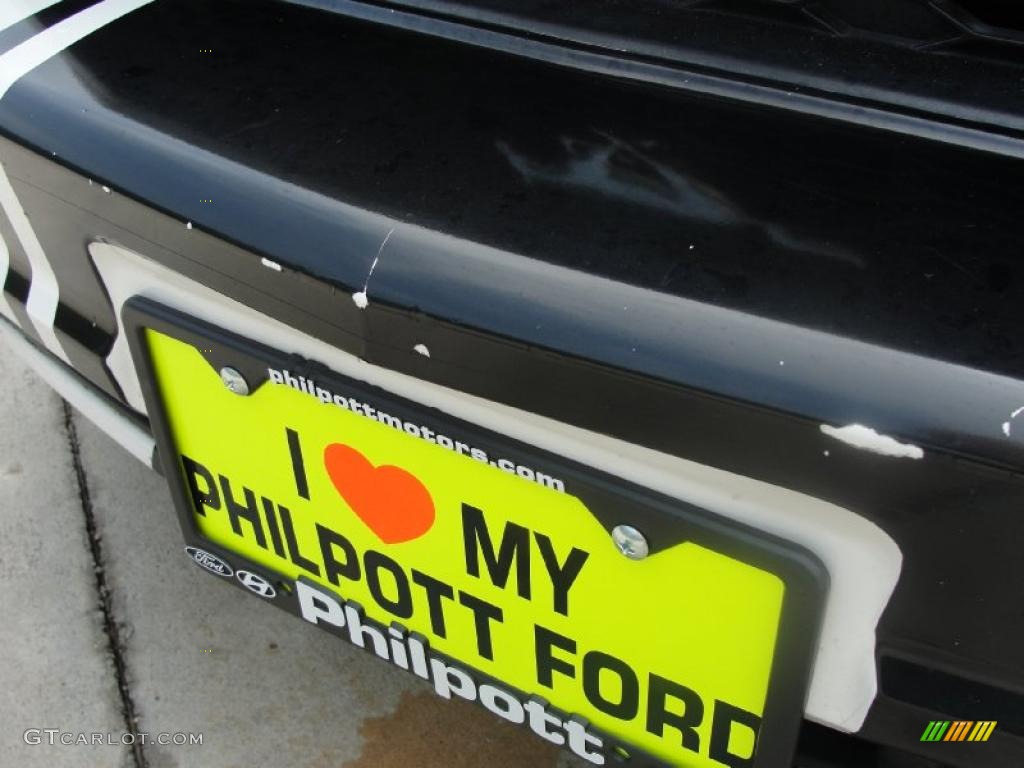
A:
(630, 542)
(234, 381)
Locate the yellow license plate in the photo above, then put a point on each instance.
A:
(499, 573)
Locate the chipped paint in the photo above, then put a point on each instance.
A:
(188, 225)
(867, 439)
(1008, 425)
(359, 299)
(270, 264)
(422, 349)
(429, 732)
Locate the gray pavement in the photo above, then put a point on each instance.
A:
(109, 629)
(56, 671)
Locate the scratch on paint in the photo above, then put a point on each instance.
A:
(867, 439)
(360, 298)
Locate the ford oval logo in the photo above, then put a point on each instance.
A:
(212, 563)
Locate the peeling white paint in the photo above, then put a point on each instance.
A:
(422, 349)
(360, 300)
(271, 264)
(867, 439)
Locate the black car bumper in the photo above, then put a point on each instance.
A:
(712, 278)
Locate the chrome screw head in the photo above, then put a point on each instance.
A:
(630, 542)
(234, 381)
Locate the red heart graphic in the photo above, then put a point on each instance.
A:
(392, 502)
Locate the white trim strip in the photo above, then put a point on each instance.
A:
(14, 11)
(44, 292)
(93, 406)
(43, 295)
(23, 58)
(5, 264)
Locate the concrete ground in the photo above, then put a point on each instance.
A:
(109, 629)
